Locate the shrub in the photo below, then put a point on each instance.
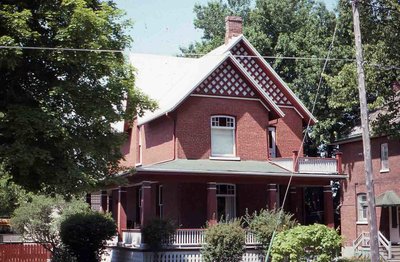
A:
(84, 234)
(225, 241)
(302, 242)
(39, 219)
(265, 222)
(157, 233)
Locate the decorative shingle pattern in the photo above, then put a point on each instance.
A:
(254, 68)
(226, 80)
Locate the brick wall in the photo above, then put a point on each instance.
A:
(289, 132)
(158, 140)
(193, 129)
(353, 166)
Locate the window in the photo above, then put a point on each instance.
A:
(222, 136)
(271, 141)
(384, 157)
(362, 207)
(226, 201)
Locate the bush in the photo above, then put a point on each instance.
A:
(265, 222)
(84, 234)
(158, 232)
(225, 241)
(299, 243)
(39, 219)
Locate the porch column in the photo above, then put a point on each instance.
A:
(104, 201)
(146, 210)
(121, 211)
(212, 202)
(339, 162)
(328, 207)
(272, 196)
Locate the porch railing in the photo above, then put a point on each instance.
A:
(182, 238)
(309, 164)
(362, 245)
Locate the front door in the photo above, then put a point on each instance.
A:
(394, 224)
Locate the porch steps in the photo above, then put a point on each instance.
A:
(395, 253)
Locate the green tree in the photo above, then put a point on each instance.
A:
(85, 234)
(57, 107)
(211, 19)
(39, 219)
(264, 223)
(225, 241)
(10, 195)
(300, 243)
(380, 21)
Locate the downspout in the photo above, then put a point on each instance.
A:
(173, 135)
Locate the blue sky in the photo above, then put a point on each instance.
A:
(162, 26)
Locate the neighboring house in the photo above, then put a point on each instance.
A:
(224, 141)
(386, 180)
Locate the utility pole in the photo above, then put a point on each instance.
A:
(374, 242)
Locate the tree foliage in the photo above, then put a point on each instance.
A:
(264, 223)
(158, 232)
(84, 234)
(305, 28)
(225, 241)
(10, 195)
(317, 242)
(39, 219)
(57, 107)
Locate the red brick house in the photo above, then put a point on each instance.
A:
(225, 140)
(353, 208)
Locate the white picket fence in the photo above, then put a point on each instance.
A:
(182, 238)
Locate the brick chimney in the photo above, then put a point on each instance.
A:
(233, 27)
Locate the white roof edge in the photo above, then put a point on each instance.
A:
(277, 77)
(265, 95)
(170, 109)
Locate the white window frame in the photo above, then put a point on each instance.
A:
(272, 141)
(362, 208)
(228, 195)
(232, 126)
(140, 147)
(384, 157)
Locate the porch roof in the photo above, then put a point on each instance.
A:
(389, 198)
(207, 166)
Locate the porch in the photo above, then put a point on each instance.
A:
(182, 239)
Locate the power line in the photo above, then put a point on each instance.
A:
(62, 49)
(380, 66)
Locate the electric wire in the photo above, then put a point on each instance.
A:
(303, 140)
(63, 49)
(379, 66)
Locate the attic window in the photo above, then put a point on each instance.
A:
(223, 136)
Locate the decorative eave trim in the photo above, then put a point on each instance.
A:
(280, 80)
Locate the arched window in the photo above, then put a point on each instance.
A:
(223, 136)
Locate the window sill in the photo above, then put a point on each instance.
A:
(362, 223)
(227, 158)
(384, 170)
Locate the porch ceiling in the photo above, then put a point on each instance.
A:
(206, 166)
